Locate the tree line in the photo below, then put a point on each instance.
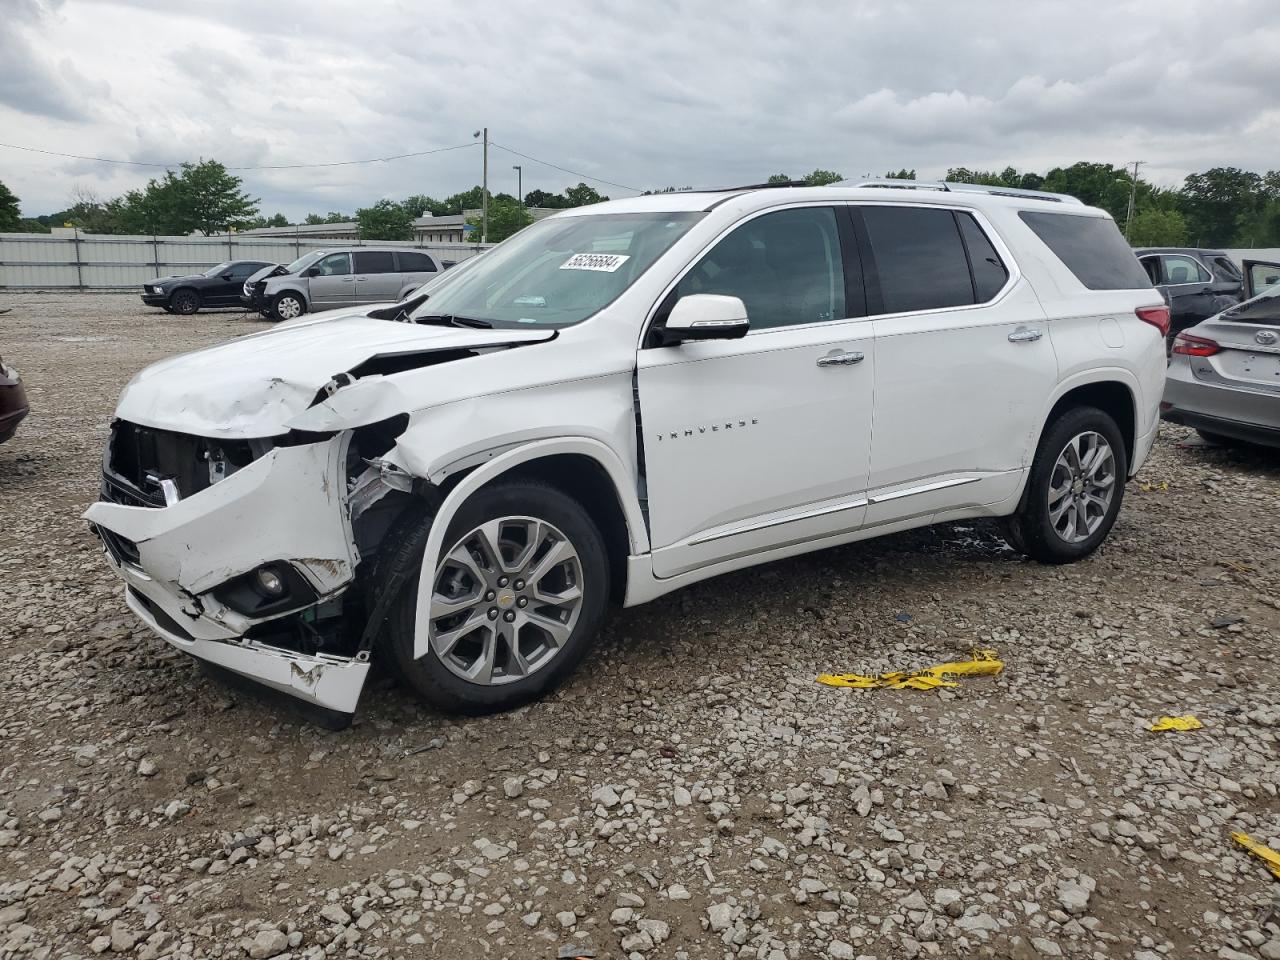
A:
(1219, 207)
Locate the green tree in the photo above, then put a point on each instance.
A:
(31, 225)
(1154, 227)
(467, 200)
(820, 178)
(1219, 201)
(903, 174)
(419, 205)
(1098, 185)
(10, 213)
(201, 197)
(778, 178)
(314, 219)
(583, 195)
(506, 216)
(385, 220)
(275, 220)
(540, 198)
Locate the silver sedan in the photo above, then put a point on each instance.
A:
(1224, 374)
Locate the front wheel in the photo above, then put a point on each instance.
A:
(519, 593)
(288, 306)
(185, 302)
(1075, 488)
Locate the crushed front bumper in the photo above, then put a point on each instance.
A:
(285, 508)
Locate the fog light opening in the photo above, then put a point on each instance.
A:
(270, 583)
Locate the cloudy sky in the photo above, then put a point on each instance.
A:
(641, 94)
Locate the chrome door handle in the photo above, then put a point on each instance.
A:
(1025, 335)
(348, 279)
(840, 359)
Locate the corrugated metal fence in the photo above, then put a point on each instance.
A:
(82, 261)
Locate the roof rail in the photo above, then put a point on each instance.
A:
(948, 187)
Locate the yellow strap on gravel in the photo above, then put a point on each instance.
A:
(1187, 722)
(984, 663)
(1263, 853)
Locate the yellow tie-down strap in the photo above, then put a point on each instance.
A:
(1262, 852)
(1187, 722)
(984, 663)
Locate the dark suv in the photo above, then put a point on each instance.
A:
(1196, 283)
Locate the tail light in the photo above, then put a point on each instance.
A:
(1158, 317)
(1192, 346)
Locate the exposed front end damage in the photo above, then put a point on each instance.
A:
(246, 567)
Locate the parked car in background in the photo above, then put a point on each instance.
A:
(1195, 283)
(1224, 375)
(13, 401)
(619, 401)
(217, 287)
(329, 279)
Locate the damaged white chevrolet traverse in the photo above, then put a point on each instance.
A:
(620, 400)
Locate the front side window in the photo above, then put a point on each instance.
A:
(786, 267)
(561, 270)
(335, 265)
(1184, 270)
(375, 261)
(242, 270)
(304, 261)
(920, 258)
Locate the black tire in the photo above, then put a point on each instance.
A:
(184, 302)
(1031, 528)
(428, 677)
(167, 309)
(281, 298)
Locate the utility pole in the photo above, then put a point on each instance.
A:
(1133, 197)
(519, 184)
(484, 192)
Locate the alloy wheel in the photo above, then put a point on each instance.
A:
(1082, 486)
(505, 600)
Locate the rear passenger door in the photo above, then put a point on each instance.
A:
(376, 276)
(1189, 288)
(963, 361)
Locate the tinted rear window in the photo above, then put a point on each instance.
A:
(920, 258)
(415, 262)
(375, 261)
(1092, 249)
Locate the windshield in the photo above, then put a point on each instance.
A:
(1264, 308)
(220, 268)
(559, 271)
(304, 261)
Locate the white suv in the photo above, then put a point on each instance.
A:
(621, 400)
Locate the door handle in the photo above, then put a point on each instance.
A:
(1025, 335)
(348, 279)
(844, 359)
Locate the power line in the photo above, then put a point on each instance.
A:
(556, 166)
(274, 166)
(334, 163)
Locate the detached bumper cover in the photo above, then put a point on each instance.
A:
(284, 507)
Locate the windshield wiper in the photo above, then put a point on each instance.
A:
(453, 320)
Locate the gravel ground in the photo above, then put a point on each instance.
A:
(692, 792)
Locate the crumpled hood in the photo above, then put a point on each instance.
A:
(254, 385)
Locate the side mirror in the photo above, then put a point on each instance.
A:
(226, 276)
(706, 316)
(311, 272)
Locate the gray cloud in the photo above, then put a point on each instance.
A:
(655, 94)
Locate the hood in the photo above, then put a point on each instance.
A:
(255, 385)
(177, 277)
(274, 270)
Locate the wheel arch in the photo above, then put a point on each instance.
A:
(1115, 392)
(296, 291)
(582, 467)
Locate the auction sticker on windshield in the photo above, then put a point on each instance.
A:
(602, 262)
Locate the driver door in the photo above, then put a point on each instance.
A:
(764, 441)
(333, 284)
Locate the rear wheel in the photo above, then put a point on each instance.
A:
(185, 302)
(519, 593)
(1075, 488)
(287, 306)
